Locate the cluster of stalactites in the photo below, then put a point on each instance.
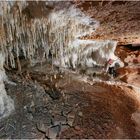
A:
(24, 37)
(20, 36)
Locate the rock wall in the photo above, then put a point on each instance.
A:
(6, 103)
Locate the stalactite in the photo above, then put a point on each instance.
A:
(58, 33)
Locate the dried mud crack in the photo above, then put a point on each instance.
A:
(74, 110)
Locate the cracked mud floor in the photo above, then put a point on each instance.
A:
(60, 106)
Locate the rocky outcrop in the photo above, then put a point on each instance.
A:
(119, 20)
(6, 103)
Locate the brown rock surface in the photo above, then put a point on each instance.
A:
(119, 20)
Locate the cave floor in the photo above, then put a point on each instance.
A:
(58, 105)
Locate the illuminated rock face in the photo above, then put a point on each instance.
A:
(6, 103)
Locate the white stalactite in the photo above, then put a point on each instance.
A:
(58, 33)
